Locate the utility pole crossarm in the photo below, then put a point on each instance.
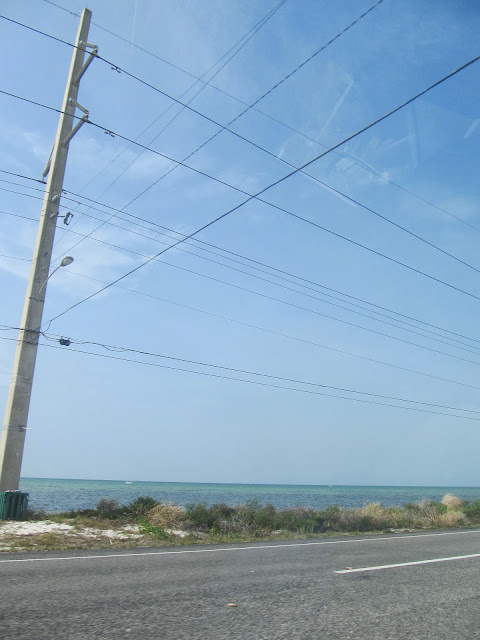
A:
(13, 433)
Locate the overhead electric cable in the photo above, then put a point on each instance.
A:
(318, 313)
(280, 180)
(289, 75)
(353, 304)
(124, 349)
(278, 333)
(123, 248)
(18, 175)
(273, 155)
(250, 106)
(255, 196)
(343, 195)
(2, 255)
(289, 288)
(253, 382)
(272, 298)
(230, 54)
(293, 129)
(435, 337)
(126, 40)
(263, 264)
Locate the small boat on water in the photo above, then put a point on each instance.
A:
(128, 481)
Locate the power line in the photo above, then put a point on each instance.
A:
(353, 200)
(2, 255)
(382, 315)
(309, 310)
(124, 349)
(322, 48)
(301, 133)
(251, 291)
(289, 288)
(273, 155)
(318, 313)
(398, 226)
(239, 45)
(83, 236)
(280, 82)
(272, 298)
(289, 75)
(278, 333)
(280, 180)
(129, 42)
(256, 262)
(256, 382)
(18, 175)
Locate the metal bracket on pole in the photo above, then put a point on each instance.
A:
(87, 45)
(88, 62)
(79, 124)
(79, 106)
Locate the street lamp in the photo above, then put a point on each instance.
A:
(64, 263)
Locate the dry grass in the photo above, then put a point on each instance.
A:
(452, 502)
(167, 516)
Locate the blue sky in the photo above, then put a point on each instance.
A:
(94, 417)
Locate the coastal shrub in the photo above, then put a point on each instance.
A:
(221, 510)
(300, 519)
(332, 517)
(106, 505)
(248, 511)
(267, 518)
(472, 511)
(167, 516)
(429, 513)
(133, 511)
(207, 518)
(238, 522)
(452, 502)
(141, 506)
(452, 518)
(199, 514)
(152, 530)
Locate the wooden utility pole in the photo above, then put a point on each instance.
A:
(13, 434)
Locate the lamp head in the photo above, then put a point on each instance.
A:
(66, 261)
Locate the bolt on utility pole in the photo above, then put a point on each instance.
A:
(13, 434)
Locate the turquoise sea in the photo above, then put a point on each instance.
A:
(55, 495)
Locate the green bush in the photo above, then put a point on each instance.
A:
(472, 511)
(141, 506)
(151, 530)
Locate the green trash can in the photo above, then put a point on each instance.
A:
(13, 505)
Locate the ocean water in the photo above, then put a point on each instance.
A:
(55, 495)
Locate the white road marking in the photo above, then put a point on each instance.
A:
(408, 564)
(230, 549)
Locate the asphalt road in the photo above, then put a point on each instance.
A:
(281, 591)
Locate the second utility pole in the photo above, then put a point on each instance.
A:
(13, 433)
